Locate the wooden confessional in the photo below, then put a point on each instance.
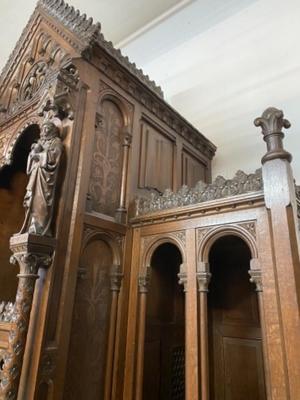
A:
(125, 273)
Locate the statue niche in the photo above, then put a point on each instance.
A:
(42, 169)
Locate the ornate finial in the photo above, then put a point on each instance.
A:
(272, 122)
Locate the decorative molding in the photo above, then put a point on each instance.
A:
(8, 141)
(54, 105)
(77, 23)
(156, 106)
(180, 235)
(272, 122)
(90, 35)
(250, 227)
(201, 232)
(202, 192)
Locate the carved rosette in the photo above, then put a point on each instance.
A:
(272, 122)
(31, 252)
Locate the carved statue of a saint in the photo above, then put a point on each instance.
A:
(42, 168)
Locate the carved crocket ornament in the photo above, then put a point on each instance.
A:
(42, 168)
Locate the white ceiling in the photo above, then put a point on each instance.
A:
(120, 19)
(219, 62)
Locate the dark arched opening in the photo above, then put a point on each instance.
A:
(165, 327)
(13, 181)
(235, 340)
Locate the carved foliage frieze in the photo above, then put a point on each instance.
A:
(220, 188)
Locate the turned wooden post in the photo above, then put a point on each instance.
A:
(280, 201)
(31, 252)
(143, 289)
(256, 278)
(121, 211)
(203, 278)
(115, 282)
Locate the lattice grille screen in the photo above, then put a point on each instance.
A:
(178, 378)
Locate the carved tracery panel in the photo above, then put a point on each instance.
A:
(106, 169)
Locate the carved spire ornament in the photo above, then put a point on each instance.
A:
(272, 122)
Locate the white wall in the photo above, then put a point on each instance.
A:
(221, 69)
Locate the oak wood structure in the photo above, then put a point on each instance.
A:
(134, 276)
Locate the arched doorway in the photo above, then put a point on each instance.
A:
(235, 338)
(164, 363)
(13, 181)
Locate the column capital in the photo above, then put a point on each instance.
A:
(203, 278)
(116, 277)
(31, 252)
(127, 138)
(182, 276)
(272, 122)
(256, 278)
(144, 282)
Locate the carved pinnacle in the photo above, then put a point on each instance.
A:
(272, 122)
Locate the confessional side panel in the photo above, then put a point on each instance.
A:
(193, 168)
(106, 169)
(163, 150)
(157, 154)
(90, 324)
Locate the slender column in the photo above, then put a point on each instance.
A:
(280, 202)
(256, 278)
(143, 289)
(203, 278)
(121, 211)
(115, 282)
(31, 252)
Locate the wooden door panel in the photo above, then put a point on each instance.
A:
(152, 370)
(236, 363)
(243, 359)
